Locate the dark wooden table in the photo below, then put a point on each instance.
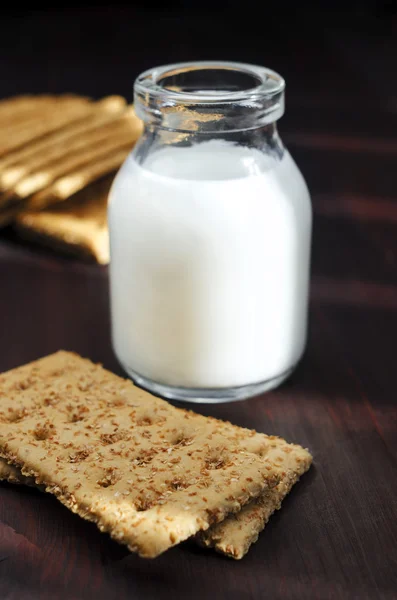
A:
(336, 535)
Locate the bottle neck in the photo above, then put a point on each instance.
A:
(264, 139)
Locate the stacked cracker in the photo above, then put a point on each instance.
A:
(58, 157)
(150, 474)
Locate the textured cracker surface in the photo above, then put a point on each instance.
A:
(239, 531)
(235, 534)
(102, 118)
(148, 473)
(12, 474)
(51, 147)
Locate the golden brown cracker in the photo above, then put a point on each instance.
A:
(65, 187)
(77, 226)
(18, 164)
(70, 184)
(150, 474)
(238, 532)
(46, 120)
(46, 168)
(13, 475)
(235, 535)
(20, 108)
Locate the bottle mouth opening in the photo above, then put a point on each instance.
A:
(218, 89)
(210, 82)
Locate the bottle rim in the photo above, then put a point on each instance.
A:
(209, 95)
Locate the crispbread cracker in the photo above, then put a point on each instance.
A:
(237, 532)
(13, 475)
(19, 163)
(148, 473)
(71, 159)
(96, 145)
(22, 108)
(77, 226)
(65, 187)
(19, 109)
(18, 104)
(235, 535)
(10, 473)
(47, 119)
(11, 109)
(72, 183)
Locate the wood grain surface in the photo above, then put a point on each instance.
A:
(336, 535)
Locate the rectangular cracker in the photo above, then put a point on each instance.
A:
(95, 145)
(21, 108)
(70, 184)
(67, 186)
(19, 163)
(239, 531)
(16, 104)
(77, 226)
(235, 535)
(49, 118)
(150, 474)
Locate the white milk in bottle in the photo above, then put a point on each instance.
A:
(210, 252)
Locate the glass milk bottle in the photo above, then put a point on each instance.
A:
(210, 229)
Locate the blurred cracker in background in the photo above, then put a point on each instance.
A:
(77, 227)
(63, 151)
